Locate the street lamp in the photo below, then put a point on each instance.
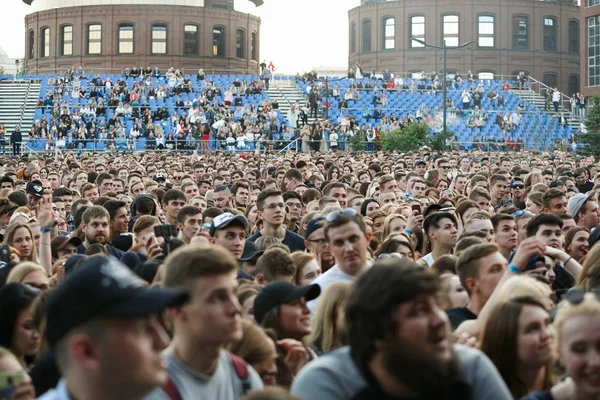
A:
(445, 48)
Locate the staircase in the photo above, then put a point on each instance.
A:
(287, 92)
(539, 102)
(18, 100)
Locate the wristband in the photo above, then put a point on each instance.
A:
(408, 231)
(568, 259)
(514, 268)
(45, 230)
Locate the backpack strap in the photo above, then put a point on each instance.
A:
(241, 369)
(171, 390)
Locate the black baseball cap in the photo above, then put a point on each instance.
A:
(35, 189)
(250, 251)
(104, 287)
(224, 220)
(313, 225)
(277, 293)
(419, 162)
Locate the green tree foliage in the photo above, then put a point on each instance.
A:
(411, 138)
(591, 139)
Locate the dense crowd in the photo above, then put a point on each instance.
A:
(299, 276)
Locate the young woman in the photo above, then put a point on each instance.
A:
(328, 332)
(576, 242)
(518, 339)
(17, 332)
(452, 292)
(307, 268)
(20, 236)
(30, 274)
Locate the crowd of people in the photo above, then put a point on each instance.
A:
(299, 276)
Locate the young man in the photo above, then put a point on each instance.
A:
(291, 179)
(105, 183)
(275, 264)
(555, 202)
(190, 190)
(440, 229)
(293, 203)
(338, 191)
(104, 332)
(241, 194)
(119, 224)
(64, 247)
(584, 210)
(517, 189)
(346, 235)
(505, 233)
(316, 243)
(172, 202)
(222, 197)
(399, 339)
(418, 189)
(198, 365)
(189, 220)
(483, 199)
(229, 231)
(480, 221)
(271, 209)
(94, 224)
(498, 185)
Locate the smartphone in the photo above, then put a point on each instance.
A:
(417, 208)
(9, 382)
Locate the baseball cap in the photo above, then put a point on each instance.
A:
(313, 225)
(576, 201)
(223, 220)
(419, 162)
(277, 293)
(34, 189)
(160, 175)
(250, 251)
(103, 287)
(59, 243)
(430, 209)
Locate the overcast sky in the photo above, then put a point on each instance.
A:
(295, 35)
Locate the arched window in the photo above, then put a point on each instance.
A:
(573, 84)
(450, 30)
(353, 38)
(66, 40)
(126, 38)
(240, 43)
(253, 46)
(550, 79)
(31, 45)
(218, 41)
(520, 32)
(366, 36)
(45, 42)
(159, 39)
(550, 32)
(417, 30)
(389, 33)
(486, 30)
(190, 40)
(574, 36)
(94, 39)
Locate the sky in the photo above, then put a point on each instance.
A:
(295, 35)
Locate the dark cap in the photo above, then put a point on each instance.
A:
(160, 175)
(35, 189)
(419, 162)
(59, 243)
(223, 220)
(278, 293)
(313, 225)
(103, 287)
(250, 251)
(430, 209)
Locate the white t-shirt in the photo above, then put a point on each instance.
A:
(332, 275)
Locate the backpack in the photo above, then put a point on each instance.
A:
(241, 369)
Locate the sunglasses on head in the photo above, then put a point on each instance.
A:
(332, 216)
(576, 296)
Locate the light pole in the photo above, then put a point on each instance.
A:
(445, 49)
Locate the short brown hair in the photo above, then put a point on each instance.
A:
(275, 262)
(197, 261)
(479, 192)
(143, 222)
(469, 261)
(551, 194)
(95, 212)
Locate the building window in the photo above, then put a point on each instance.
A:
(159, 39)
(240, 43)
(450, 30)
(218, 41)
(353, 38)
(520, 32)
(574, 36)
(66, 40)
(366, 36)
(550, 28)
(94, 39)
(190, 40)
(417, 30)
(485, 76)
(593, 51)
(30, 45)
(573, 84)
(45, 42)
(126, 39)
(485, 31)
(550, 79)
(253, 46)
(593, 3)
(389, 33)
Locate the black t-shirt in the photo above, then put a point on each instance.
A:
(458, 315)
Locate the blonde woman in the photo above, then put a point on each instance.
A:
(31, 274)
(19, 236)
(328, 331)
(394, 223)
(589, 278)
(307, 268)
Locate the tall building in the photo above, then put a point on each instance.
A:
(116, 34)
(590, 47)
(538, 37)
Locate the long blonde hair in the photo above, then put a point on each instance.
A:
(21, 270)
(8, 237)
(326, 333)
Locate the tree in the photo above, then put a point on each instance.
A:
(590, 140)
(412, 137)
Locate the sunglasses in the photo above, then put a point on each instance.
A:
(332, 216)
(576, 296)
(446, 167)
(520, 213)
(518, 186)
